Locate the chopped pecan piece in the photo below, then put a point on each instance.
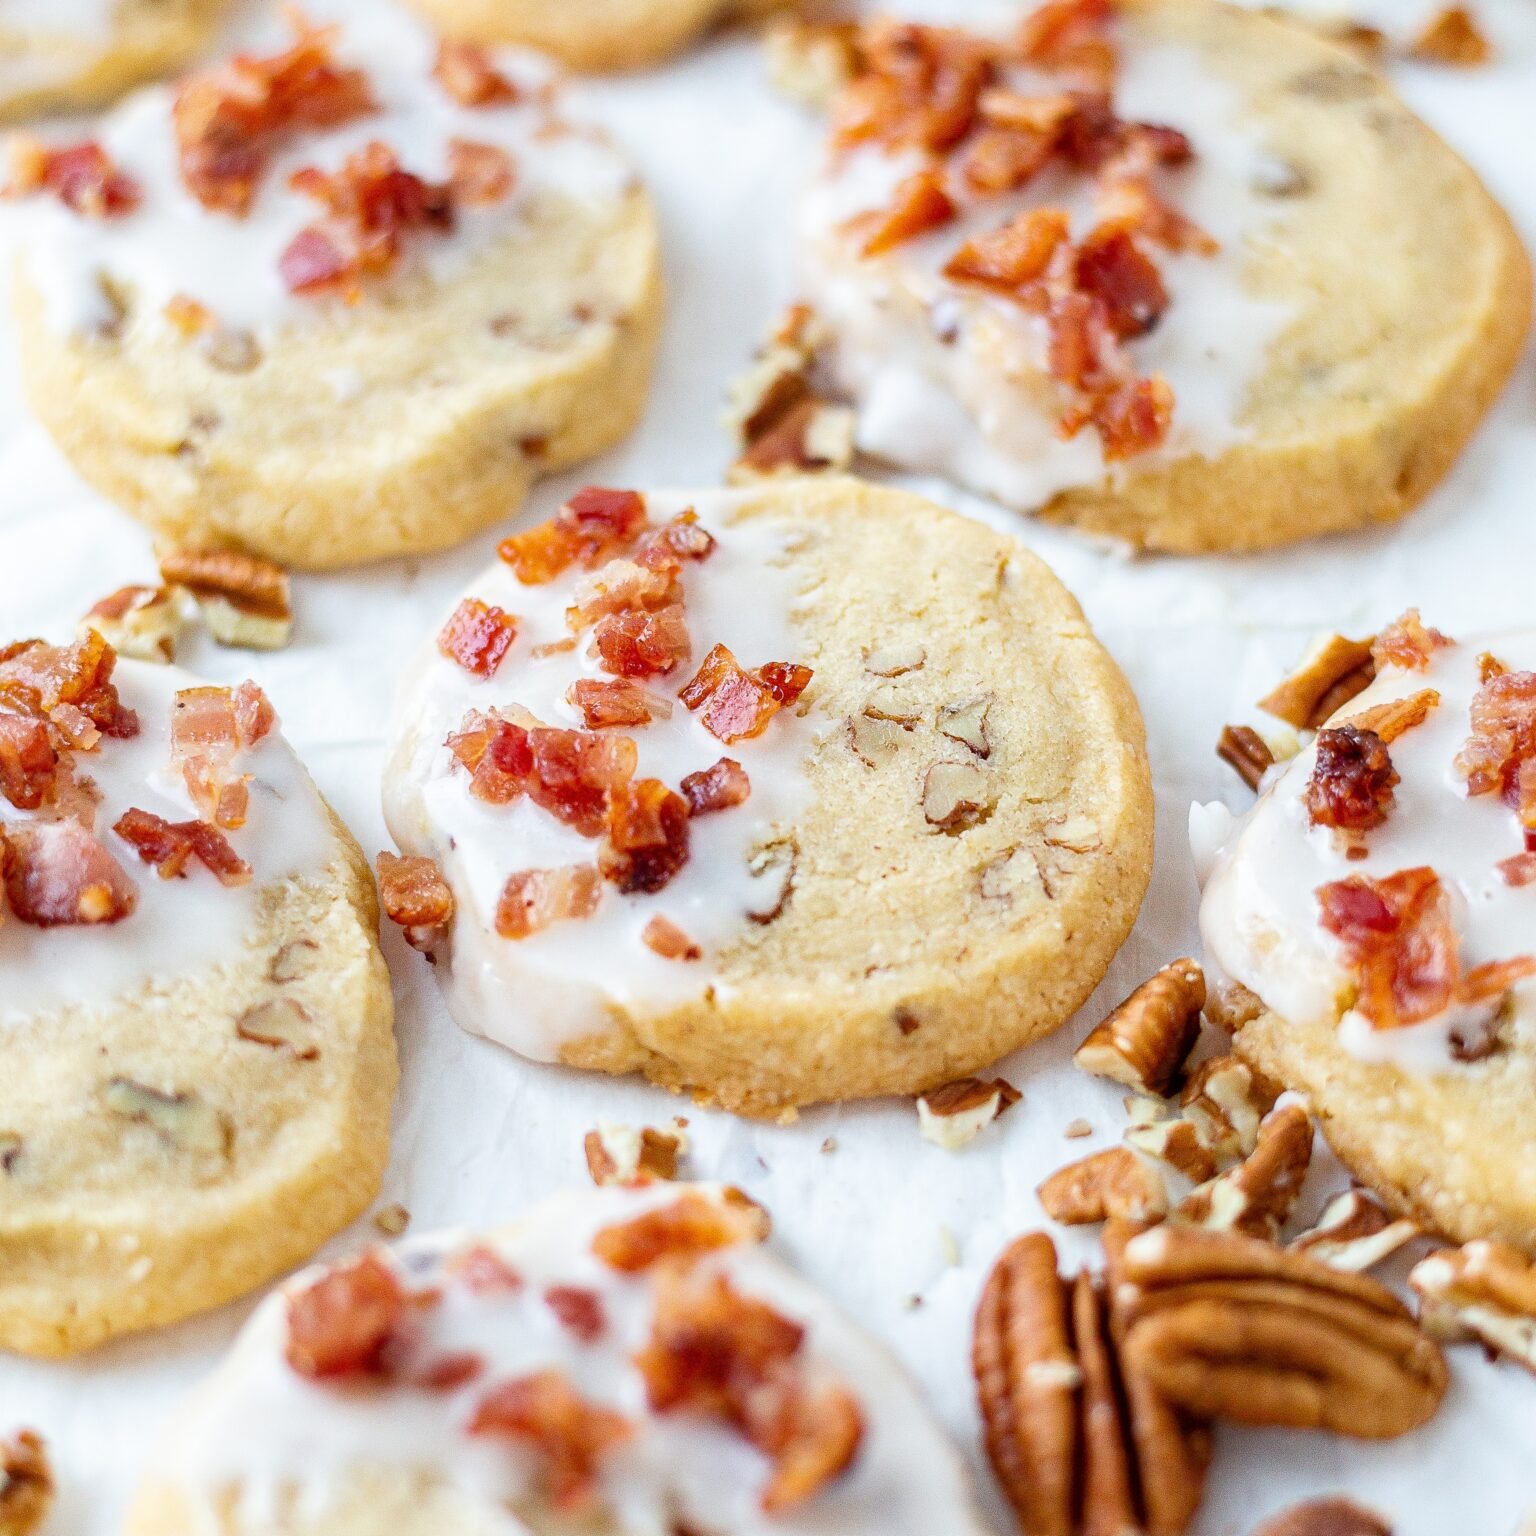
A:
(478, 636)
(570, 1434)
(1355, 1233)
(616, 1154)
(26, 1483)
(1499, 757)
(1256, 1197)
(966, 722)
(717, 788)
(468, 75)
(1351, 785)
(1325, 1517)
(1114, 1183)
(415, 896)
(1246, 752)
(343, 1324)
(1227, 1103)
(280, 1024)
(593, 525)
(737, 704)
(1407, 643)
(81, 176)
(1145, 1041)
(57, 874)
(692, 1224)
(648, 836)
(957, 1113)
(141, 622)
(956, 795)
(180, 1118)
(811, 437)
(1332, 672)
(245, 600)
(168, 845)
(1452, 36)
(532, 899)
(1484, 1290)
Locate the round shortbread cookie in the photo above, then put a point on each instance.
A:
(1393, 989)
(252, 380)
(594, 35)
(81, 53)
(1326, 363)
(616, 1361)
(943, 841)
(198, 1069)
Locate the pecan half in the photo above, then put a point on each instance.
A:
(1486, 1291)
(1325, 1517)
(1145, 1041)
(1332, 672)
(1242, 749)
(1111, 1183)
(245, 601)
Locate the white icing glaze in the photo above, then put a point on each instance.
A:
(172, 245)
(1259, 912)
(536, 994)
(258, 1424)
(179, 926)
(974, 407)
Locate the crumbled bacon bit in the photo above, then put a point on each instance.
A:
(1398, 933)
(1452, 36)
(1352, 780)
(570, 1433)
(594, 524)
(1499, 757)
(666, 939)
(716, 788)
(580, 1311)
(621, 586)
(210, 727)
(370, 204)
(478, 636)
(415, 895)
(1391, 719)
(81, 176)
(168, 845)
(72, 685)
(737, 704)
(480, 174)
(344, 1323)
(648, 836)
(1407, 643)
(229, 120)
(668, 547)
(608, 704)
(470, 78)
(448, 1373)
(921, 205)
(1518, 870)
(1066, 35)
(690, 1225)
(484, 1271)
(1112, 268)
(1134, 418)
(57, 874)
(532, 899)
(29, 762)
(636, 643)
(1010, 258)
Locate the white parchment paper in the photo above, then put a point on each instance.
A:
(901, 1232)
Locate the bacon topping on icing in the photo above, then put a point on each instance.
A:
(663, 937)
(71, 686)
(594, 524)
(415, 895)
(1407, 643)
(168, 845)
(532, 899)
(580, 1311)
(230, 120)
(617, 703)
(920, 204)
(735, 704)
(344, 1323)
(480, 175)
(210, 727)
(637, 643)
(691, 1225)
(1499, 757)
(570, 1434)
(477, 636)
(468, 75)
(1352, 782)
(716, 788)
(648, 836)
(483, 1270)
(1399, 935)
(82, 177)
(58, 874)
(29, 762)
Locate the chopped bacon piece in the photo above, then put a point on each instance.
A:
(344, 1323)
(1067, 35)
(229, 120)
(468, 75)
(716, 788)
(480, 175)
(921, 205)
(1499, 757)
(210, 727)
(478, 636)
(1352, 780)
(621, 586)
(484, 1271)
(449, 1372)
(168, 845)
(371, 203)
(1452, 36)
(1519, 870)
(1399, 935)
(29, 762)
(1407, 643)
(647, 836)
(571, 1434)
(72, 685)
(580, 1311)
(1011, 257)
(640, 644)
(606, 704)
(571, 774)
(668, 547)
(1113, 269)
(1391, 719)
(1134, 418)
(415, 896)
(57, 874)
(666, 939)
(532, 899)
(594, 524)
(1003, 159)
(738, 704)
(690, 1225)
(81, 176)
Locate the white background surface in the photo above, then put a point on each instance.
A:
(878, 1220)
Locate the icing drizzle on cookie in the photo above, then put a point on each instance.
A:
(1402, 911)
(603, 754)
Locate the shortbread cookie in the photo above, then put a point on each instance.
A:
(616, 1361)
(807, 792)
(198, 1059)
(59, 54)
(332, 343)
(1377, 914)
(1179, 274)
(592, 34)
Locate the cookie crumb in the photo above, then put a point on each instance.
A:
(1077, 1129)
(392, 1220)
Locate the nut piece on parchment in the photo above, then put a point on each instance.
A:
(1256, 1197)
(1355, 1233)
(1113, 1183)
(620, 1154)
(1484, 1291)
(1229, 1326)
(811, 61)
(1145, 1041)
(1452, 37)
(26, 1483)
(1331, 673)
(1243, 750)
(956, 1114)
(1325, 1517)
(1220, 1108)
(245, 601)
(141, 622)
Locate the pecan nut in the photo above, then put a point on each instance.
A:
(1325, 1517)
(1256, 1197)
(956, 1114)
(1486, 1291)
(1145, 1041)
(1243, 750)
(1332, 672)
(26, 1483)
(1113, 1183)
(1355, 1233)
(245, 601)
